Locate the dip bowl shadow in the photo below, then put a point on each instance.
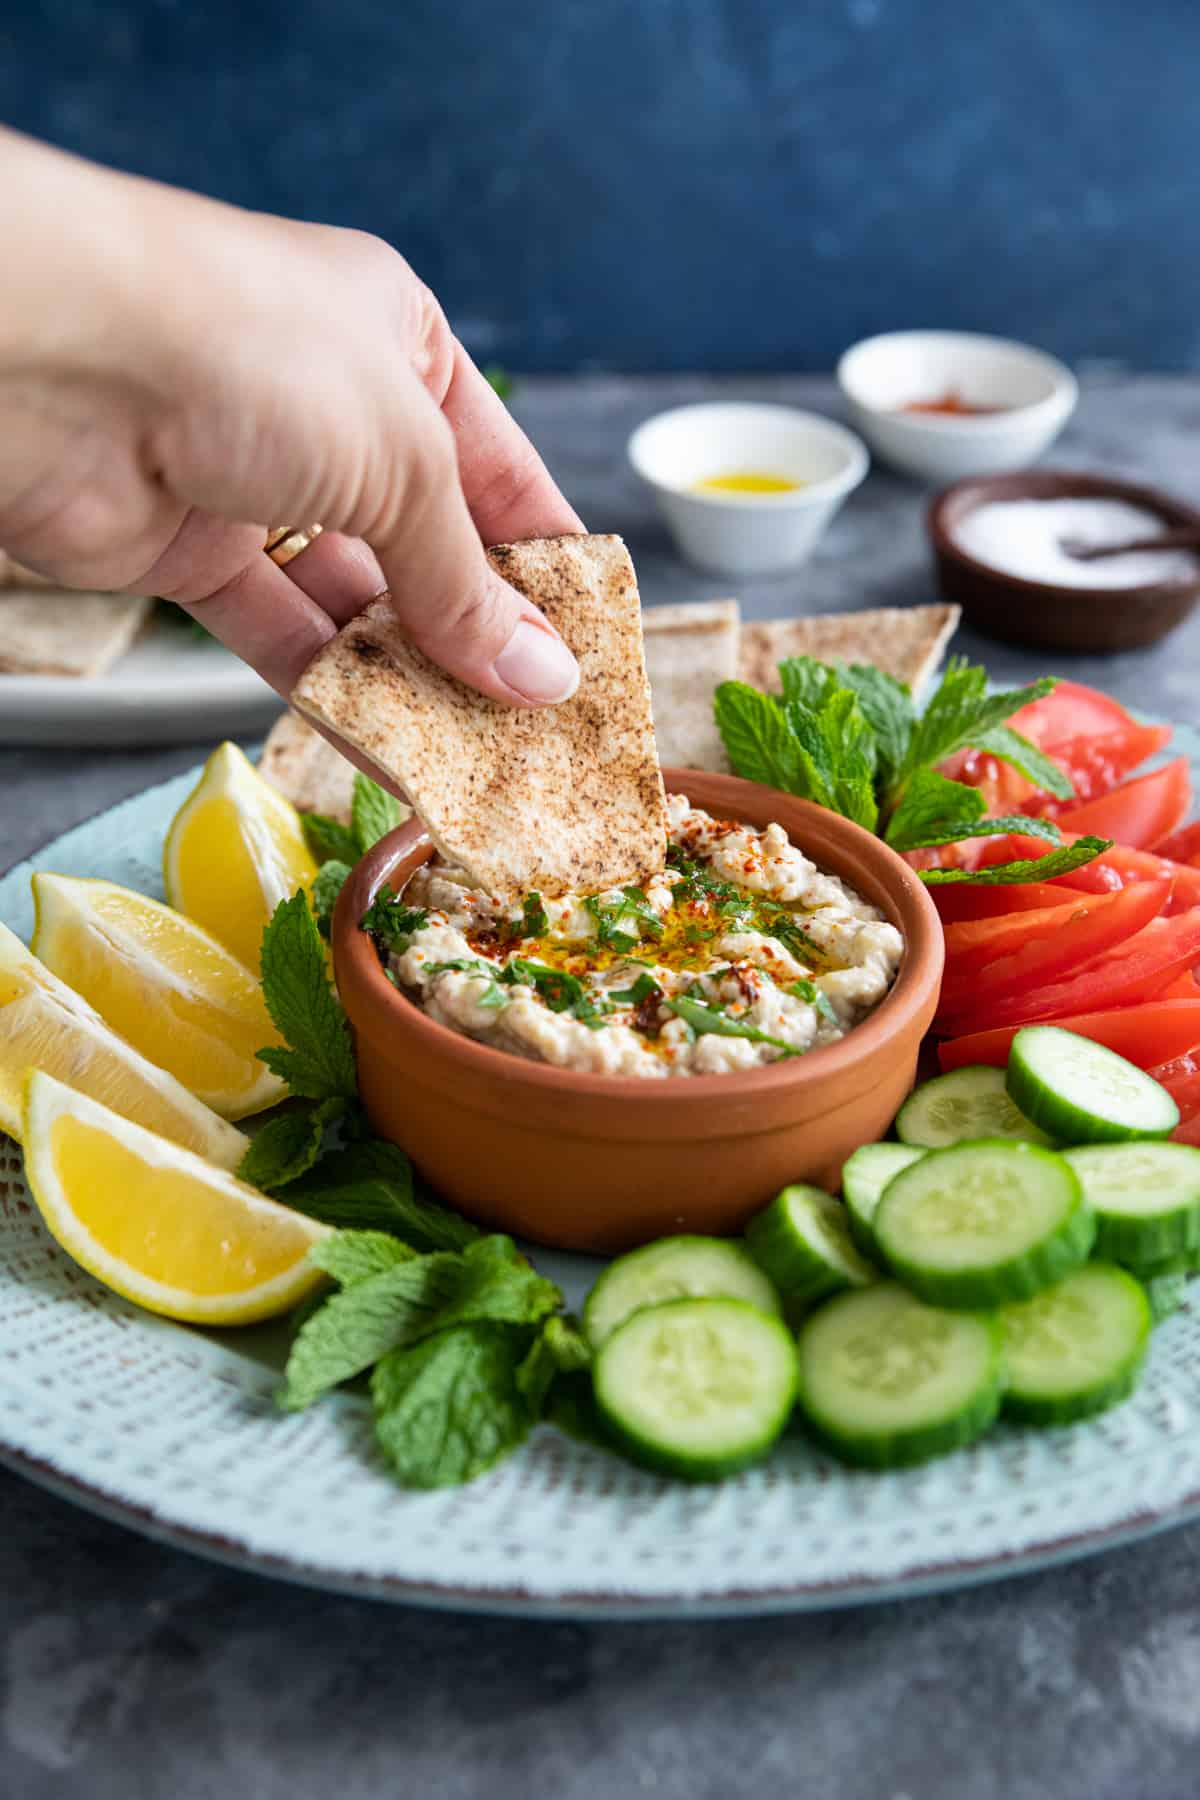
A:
(598, 1163)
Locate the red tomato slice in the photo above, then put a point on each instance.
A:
(1134, 971)
(1140, 812)
(1146, 1034)
(962, 900)
(1088, 734)
(1187, 1131)
(1182, 1081)
(1033, 955)
(1115, 868)
(973, 943)
(1182, 846)
(1183, 987)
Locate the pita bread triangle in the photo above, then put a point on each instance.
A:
(907, 642)
(558, 799)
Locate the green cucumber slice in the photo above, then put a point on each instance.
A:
(697, 1388)
(1076, 1349)
(886, 1380)
(865, 1174)
(1146, 1198)
(803, 1242)
(1084, 1093)
(1165, 1294)
(674, 1268)
(983, 1223)
(966, 1104)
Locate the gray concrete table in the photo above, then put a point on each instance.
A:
(132, 1672)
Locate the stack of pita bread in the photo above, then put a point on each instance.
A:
(585, 771)
(45, 631)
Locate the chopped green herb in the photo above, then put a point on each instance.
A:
(644, 988)
(482, 971)
(704, 1019)
(391, 922)
(534, 921)
(808, 990)
(556, 989)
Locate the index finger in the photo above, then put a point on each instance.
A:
(507, 486)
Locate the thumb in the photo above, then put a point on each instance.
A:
(442, 587)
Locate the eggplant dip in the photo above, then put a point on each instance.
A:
(739, 954)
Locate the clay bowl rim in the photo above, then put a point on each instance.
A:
(953, 503)
(920, 970)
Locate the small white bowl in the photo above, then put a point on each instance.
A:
(881, 375)
(746, 534)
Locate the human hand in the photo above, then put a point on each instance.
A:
(176, 374)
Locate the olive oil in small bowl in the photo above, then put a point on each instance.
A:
(746, 489)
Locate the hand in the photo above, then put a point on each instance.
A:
(175, 375)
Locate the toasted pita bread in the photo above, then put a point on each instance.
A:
(907, 642)
(306, 769)
(690, 649)
(44, 632)
(559, 798)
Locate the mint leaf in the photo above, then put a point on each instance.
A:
(319, 1061)
(373, 812)
(850, 744)
(391, 921)
(806, 681)
(331, 879)
(1015, 823)
(888, 707)
(369, 1186)
(705, 1019)
(287, 1146)
(328, 839)
(354, 1256)
(961, 711)
(450, 1408)
(1031, 762)
(1029, 868)
(758, 738)
(498, 1284)
(934, 809)
(559, 1349)
(362, 1323)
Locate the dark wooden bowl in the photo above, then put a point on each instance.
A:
(1039, 612)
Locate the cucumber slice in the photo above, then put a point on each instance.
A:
(674, 1268)
(1076, 1349)
(886, 1380)
(1084, 1093)
(983, 1223)
(697, 1388)
(1146, 1198)
(1165, 1294)
(803, 1242)
(864, 1177)
(966, 1104)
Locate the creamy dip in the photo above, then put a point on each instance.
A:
(741, 953)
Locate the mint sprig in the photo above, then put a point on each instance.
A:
(318, 1062)
(850, 739)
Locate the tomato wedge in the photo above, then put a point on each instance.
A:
(1140, 812)
(1031, 955)
(972, 944)
(1181, 1078)
(957, 901)
(1187, 1131)
(1087, 733)
(1146, 1035)
(1134, 971)
(1183, 845)
(1182, 987)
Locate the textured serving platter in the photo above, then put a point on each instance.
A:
(175, 1433)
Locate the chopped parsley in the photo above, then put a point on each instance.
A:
(644, 988)
(622, 924)
(705, 1019)
(808, 990)
(391, 922)
(482, 971)
(556, 989)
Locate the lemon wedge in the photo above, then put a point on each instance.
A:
(157, 1223)
(45, 1025)
(161, 981)
(234, 850)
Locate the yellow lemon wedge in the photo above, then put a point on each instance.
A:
(157, 1223)
(164, 983)
(45, 1025)
(234, 850)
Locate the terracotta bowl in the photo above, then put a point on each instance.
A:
(1039, 612)
(598, 1163)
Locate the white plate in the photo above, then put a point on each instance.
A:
(169, 689)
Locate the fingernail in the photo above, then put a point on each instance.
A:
(537, 665)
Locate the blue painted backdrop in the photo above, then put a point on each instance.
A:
(641, 184)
